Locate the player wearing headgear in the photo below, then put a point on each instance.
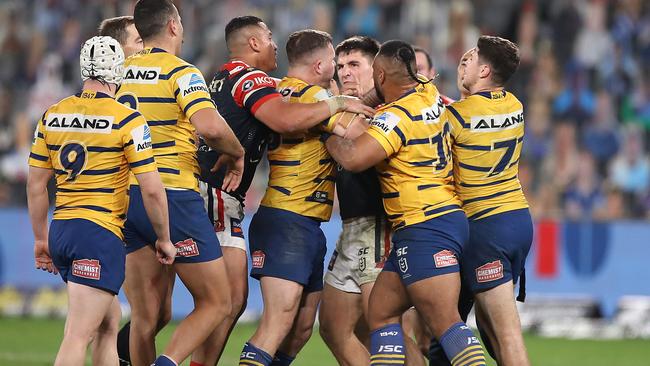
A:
(174, 99)
(124, 31)
(488, 133)
(247, 99)
(91, 143)
(409, 145)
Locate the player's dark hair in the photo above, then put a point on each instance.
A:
(501, 54)
(115, 27)
(304, 42)
(241, 22)
(426, 55)
(366, 45)
(404, 53)
(151, 17)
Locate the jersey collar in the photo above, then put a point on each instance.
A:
(98, 95)
(499, 94)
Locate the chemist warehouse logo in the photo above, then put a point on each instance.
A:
(87, 268)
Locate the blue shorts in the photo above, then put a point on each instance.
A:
(428, 249)
(189, 225)
(87, 254)
(287, 245)
(497, 249)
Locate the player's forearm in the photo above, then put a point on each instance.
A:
(38, 204)
(343, 151)
(225, 142)
(293, 117)
(154, 200)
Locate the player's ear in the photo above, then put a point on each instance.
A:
(172, 26)
(254, 43)
(484, 71)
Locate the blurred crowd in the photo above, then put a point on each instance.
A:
(584, 78)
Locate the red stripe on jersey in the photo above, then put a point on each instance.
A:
(220, 215)
(446, 100)
(263, 100)
(249, 84)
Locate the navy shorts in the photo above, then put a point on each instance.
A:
(190, 228)
(497, 249)
(428, 249)
(287, 245)
(87, 254)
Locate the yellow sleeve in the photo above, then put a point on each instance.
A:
(317, 94)
(386, 127)
(192, 93)
(137, 146)
(40, 156)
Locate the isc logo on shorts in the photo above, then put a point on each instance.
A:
(87, 268)
(258, 259)
(187, 248)
(445, 258)
(490, 272)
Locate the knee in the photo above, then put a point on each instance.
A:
(326, 332)
(304, 331)
(238, 305)
(164, 318)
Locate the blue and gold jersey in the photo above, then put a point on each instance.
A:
(302, 174)
(487, 133)
(416, 178)
(167, 91)
(92, 142)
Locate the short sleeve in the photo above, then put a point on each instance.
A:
(386, 127)
(192, 93)
(136, 138)
(40, 156)
(253, 89)
(456, 121)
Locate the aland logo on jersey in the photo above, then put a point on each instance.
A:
(76, 122)
(141, 75)
(497, 122)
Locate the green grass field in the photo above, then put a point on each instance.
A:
(35, 342)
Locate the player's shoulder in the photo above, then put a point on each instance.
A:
(302, 91)
(238, 69)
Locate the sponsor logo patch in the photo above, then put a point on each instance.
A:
(141, 75)
(432, 114)
(75, 122)
(248, 85)
(187, 248)
(403, 265)
(445, 258)
(235, 228)
(489, 272)
(497, 122)
(258, 257)
(385, 122)
(87, 268)
(191, 83)
(141, 138)
(330, 266)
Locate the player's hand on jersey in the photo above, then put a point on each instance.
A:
(355, 105)
(234, 172)
(165, 251)
(42, 257)
(356, 128)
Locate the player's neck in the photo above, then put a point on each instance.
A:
(96, 86)
(249, 60)
(394, 92)
(484, 87)
(164, 44)
(304, 74)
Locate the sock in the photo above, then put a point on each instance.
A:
(253, 356)
(194, 363)
(437, 356)
(281, 359)
(387, 346)
(123, 345)
(163, 360)
(462, 347)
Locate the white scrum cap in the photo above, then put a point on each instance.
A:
(102, 58)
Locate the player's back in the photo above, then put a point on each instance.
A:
(416, 179)
(301, 177)
(488, 132)
(91, 142)
(167, 91)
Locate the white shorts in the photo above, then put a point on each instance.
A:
(226, 213)
(360, 254)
